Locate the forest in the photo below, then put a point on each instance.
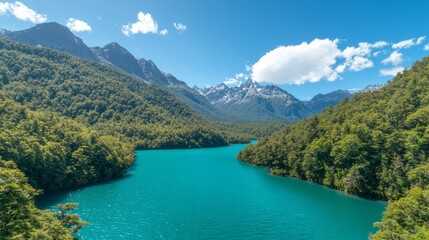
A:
(105, 99)
(67, 122)
(375, 145)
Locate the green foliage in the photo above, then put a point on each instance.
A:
(406, 218)
(71, 221)
(57, 153)
(104, 99)
(374, 145)
(19, 218)
(365, 146)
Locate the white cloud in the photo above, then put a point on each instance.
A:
(426, 47)
(236, 79)
(239, 75)
(391, 71)
(76, 25)
(231, 81)
(357, 58)
(163, 32)
(360, 63)
(420, 40)
(22, 12)
(340, 68)
(179, 26)
(297, 64)
(145, 24)
(4, 8)
(408, 43)
(376, 54)
(379, 44)
(395, 58)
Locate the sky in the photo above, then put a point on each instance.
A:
(305, 47)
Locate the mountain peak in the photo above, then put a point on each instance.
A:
(52, 35)
(51, 26)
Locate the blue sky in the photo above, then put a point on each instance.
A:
(306, 47)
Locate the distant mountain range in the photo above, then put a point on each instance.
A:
(247, 101)
(254, 102)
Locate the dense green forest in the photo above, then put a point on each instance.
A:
(20, 219)
(374, 145)
(104, 99)
(66, 122)
(58, 153)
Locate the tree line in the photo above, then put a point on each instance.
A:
(374, 145)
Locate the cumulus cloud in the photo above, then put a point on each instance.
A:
(395, 58)
(357, 58)
(408, 43)
(163, 32)
(426, 47)
(145, 24)
(297, 64)
(22, 12)
(231, 81)
(180, 27)
(391, 71)
(76, 25)
(360, 63)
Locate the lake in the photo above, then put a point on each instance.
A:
(208, 194)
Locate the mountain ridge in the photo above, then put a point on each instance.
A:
(270, 101)
(251, 102)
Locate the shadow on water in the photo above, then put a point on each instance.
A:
(44, 201)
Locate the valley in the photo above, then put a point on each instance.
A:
(162, 120)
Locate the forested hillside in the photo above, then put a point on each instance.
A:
(20, 219)
(58, 153)
(373, 145)
(104, 99)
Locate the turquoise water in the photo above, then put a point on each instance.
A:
(207, 194)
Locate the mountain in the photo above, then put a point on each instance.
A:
(51, 35)
(374, 145)
(321, 101)
(103, 98)
(236, 104)
(118, 56)
(147, 70)
(251, 101)
(373, 87)
(59, 37)
(3, 31)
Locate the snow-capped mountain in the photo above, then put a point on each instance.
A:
(243, 93)
(59, 37)
(373, 87)
(118, 56)
(253, 102)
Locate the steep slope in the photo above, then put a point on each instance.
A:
(147, 70)
(59, 37)
(256, 103)
(51, 35)
(58, 153)
(374, 145)
(321, 101)
(119, 57)
(103, 98)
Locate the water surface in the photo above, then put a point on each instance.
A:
(207, 194)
